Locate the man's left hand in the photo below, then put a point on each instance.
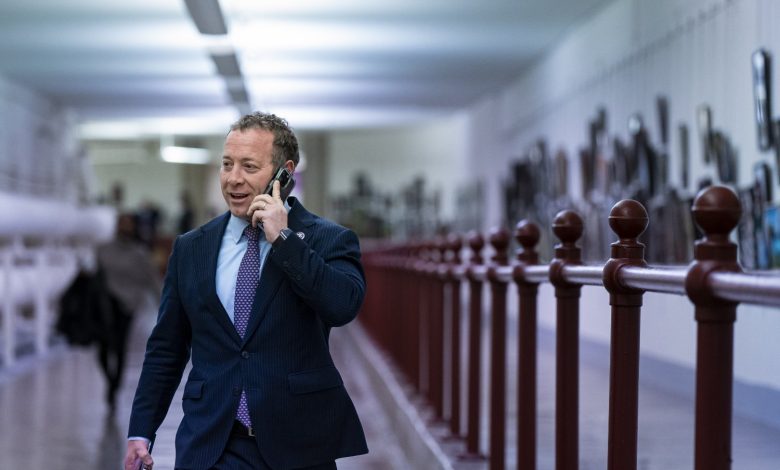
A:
(269, 211)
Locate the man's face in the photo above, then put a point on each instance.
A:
(246, 169)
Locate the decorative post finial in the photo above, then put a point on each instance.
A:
(527, 235)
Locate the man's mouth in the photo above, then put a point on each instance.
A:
(238, 196)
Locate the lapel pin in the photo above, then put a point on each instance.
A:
(300, 235)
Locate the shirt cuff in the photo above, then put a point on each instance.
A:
(139, 438)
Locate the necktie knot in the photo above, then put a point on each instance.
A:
(252, 233)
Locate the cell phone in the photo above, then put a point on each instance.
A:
(286, 183)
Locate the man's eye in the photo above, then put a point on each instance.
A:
(226, 164)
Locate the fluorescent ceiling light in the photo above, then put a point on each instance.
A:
(227, 64)
(238, 95)
(207, 16)
(192, 155)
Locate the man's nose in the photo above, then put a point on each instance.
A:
(235, 177)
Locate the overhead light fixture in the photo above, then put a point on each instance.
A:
(238, 95)
(243, 108)
(207, 16)
(191, 155)
(227, 64)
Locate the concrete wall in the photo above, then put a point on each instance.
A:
(392, 158)
(693, 52)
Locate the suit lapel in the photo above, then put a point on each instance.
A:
(270, 281)
(298, 220)
(206, 248)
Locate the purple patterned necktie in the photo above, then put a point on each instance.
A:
(246, 285)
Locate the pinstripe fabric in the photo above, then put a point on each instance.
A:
(299, 408)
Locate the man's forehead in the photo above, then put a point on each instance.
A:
(246, 144)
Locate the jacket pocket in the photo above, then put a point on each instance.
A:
(314, 380)
(193, 389)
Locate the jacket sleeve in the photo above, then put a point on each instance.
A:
(330, 280)
(167, 354)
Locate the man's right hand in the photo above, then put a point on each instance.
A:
(138, 456)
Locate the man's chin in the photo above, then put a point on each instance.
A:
(239, 212)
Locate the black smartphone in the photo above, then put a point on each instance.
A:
(286, 183)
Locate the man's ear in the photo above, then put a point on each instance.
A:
(290, 165)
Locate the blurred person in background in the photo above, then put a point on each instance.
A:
(128, 277)
(251, 297)
(147, 219)
(187, 216)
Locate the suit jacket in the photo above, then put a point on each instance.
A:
(300, 410)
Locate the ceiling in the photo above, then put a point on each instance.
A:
(141, 67)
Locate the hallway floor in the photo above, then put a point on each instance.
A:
(54, 417)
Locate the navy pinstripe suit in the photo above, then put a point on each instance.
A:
(300, 410)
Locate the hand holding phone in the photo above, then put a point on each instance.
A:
(268, 212)
(286, 183)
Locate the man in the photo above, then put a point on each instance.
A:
(254, 311)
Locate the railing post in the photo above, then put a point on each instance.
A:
(476, 243)
(567, 226)
(437, 328)
(42, 306)
(454, 244)
(499, 239)
(404, 327)
(424, 309)
(716, 211)
(628, 219)
(527, 235)
(413, 306)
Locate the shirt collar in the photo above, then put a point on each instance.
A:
(235, 228)
(236, 225)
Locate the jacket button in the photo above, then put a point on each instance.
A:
(245, 354)
(236, 391)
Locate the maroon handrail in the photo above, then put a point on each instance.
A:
(436, 332)
(628, 219)
(499, 240)
(476, 243)
(412, 278)
(527, 235)
(717, 212)
(454, 244)
(567, 226)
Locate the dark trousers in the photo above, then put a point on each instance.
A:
(112, 348)
(242, 453)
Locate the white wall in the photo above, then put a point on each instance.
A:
(693, 52)
(39, 153)
(392, 158)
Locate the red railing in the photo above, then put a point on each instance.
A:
(405, 312)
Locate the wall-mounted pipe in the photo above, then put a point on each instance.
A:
(52, 219)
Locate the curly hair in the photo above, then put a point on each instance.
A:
(285, 145)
